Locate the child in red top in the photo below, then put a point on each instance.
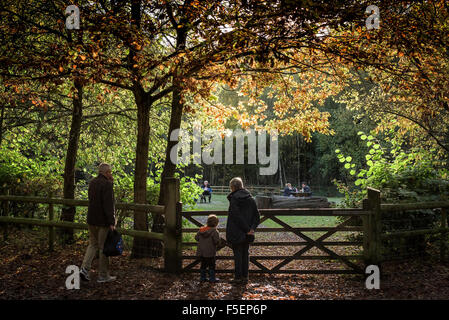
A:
(208, 239)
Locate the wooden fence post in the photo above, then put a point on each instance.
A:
(443, 235)
(51, 230)
(375, 227)
(366, 232)
(173, 224)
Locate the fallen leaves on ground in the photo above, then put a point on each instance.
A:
(29, 271)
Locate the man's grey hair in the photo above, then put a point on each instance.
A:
(104, 167)
(236, 183)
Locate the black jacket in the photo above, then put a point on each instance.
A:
(287, 191)
(243, 216)
(101, 202)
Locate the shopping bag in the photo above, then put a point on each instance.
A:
(113, 246)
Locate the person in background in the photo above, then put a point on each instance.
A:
(207, 192)
(305, 188)
(288, 190)
(208, 238)
(101, 219)
(243, 219)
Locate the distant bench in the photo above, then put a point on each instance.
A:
(298, 194)
(301, 194)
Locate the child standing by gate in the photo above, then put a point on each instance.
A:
(208, 239)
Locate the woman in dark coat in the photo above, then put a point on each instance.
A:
(243, 219)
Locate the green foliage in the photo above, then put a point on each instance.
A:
(402, 176)
(189, 187)
(28, 169)
(326, 164)
(351, 197)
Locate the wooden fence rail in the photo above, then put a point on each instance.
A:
(75, 225)
(442, 230)
(252, 189)
(81, 203)
(171, 211)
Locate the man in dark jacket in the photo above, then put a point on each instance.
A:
(243, 219)
(101, 219)
(305, 188)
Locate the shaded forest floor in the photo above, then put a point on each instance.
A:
(29, 271)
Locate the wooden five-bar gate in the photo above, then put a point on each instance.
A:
(366, 221)
(370, 229)
(304, 241)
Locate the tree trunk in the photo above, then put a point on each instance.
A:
(141, 246)
(298, 167)
(1, 124)
(68, 213)
(169, 166)
(176, 110)
(175, 123)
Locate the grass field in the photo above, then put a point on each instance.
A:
(220, 202)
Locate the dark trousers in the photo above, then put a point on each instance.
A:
(207, 263)
(241, 259)
(204, 195)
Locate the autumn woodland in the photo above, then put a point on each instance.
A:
(355, 95)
